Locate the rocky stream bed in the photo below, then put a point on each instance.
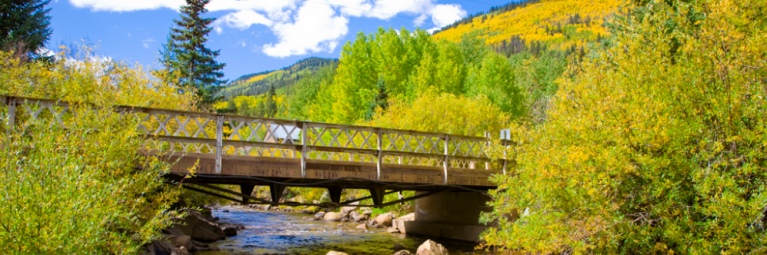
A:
(246, 230)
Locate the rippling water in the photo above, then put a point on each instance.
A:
(268, 232)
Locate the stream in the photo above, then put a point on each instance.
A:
(269, 232)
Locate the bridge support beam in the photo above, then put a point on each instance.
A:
(276, 191)
(246, 189)
(452, 215)
(378, 195)
(335, 194)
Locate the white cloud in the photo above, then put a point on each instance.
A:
(146, 42)
(445, 14)
(316, 28)
(241, 19)
(126, 5)
(301, 26)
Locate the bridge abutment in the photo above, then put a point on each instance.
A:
(452, 215)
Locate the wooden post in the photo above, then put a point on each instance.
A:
(304, 143)
(379, 156)
(447, 156)
(219, 141)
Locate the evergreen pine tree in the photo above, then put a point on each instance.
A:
(271, 105)
(186, 55)
(24, 26)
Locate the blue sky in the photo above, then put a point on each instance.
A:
(253, 35)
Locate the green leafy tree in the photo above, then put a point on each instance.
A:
(187, 58)
(655, 146)
(24, 26)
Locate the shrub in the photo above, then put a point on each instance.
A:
(656, 146)
(79, 186)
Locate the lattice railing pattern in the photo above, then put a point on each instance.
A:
(208, 133)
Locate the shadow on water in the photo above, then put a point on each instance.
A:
(269, 232)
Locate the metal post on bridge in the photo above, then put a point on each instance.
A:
(379, 155)
(447, 156)
(11, 112)
(304, 143)
(219, 141)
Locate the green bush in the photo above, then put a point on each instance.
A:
(80, 186)
(657, 145)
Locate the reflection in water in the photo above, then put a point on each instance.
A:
(269, 232)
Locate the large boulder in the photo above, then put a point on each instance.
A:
(332, 216)
(199, 227)
(431, 248)
(384, 220)
(319, 215)
(348, 209)
(400, 222)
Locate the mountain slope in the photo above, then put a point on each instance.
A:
(259, 83)
(558, 23)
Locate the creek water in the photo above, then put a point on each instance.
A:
(268, 232)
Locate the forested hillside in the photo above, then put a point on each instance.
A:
(259, 83)
(558, 24)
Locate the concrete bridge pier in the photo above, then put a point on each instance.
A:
(452, 215)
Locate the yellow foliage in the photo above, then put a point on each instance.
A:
(446, 113)
(655, 146)
(530, 22)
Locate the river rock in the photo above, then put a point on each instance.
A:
(384, 220)
(336, 253)
(360, 218)
(267, 207)
(199, 227)
(400, 222)
(332, 216)
(319, 215)
(392, 230)
(180, 251)
(367, 212)
(402, 252)
(431, 248)
(230, 231)
(159, 247)
(184, 241)
(347, 209)
(362, 226)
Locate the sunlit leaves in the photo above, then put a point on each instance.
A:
(655, 146)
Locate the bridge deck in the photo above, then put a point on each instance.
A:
(236, 169)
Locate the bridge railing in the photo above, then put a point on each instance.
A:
(221, 134)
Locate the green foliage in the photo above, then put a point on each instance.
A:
(390, 66)
(24, 26)
(80, 188)
(288, 77)
(656, 145)
(185, 56)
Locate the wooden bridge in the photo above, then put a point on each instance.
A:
(248, 151)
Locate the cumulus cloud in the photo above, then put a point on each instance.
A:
(301, 26)
(241, 20)
(316, 28)
(445, 14)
